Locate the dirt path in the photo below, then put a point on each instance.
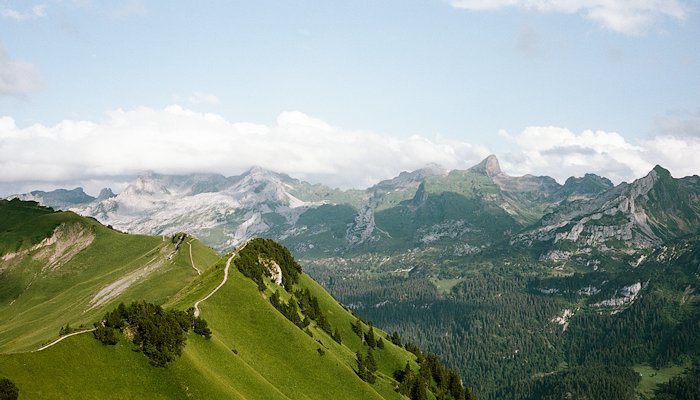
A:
(228, 264)
(63, 337)
(192, 259)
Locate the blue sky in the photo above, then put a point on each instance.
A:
(552, 87)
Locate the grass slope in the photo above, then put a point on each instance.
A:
(273, 359)
(45, 288)
(255, 352)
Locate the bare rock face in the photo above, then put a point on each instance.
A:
(628, 218)
(625, 295)
(223, 212)
(363, 228)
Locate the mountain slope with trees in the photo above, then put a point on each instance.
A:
(262, 338)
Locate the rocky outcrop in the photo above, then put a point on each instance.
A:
(363, 228)
(630, 217)
(625, 295)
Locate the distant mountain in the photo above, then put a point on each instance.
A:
(59, 198)
(460, 210)
(223, 212)
(629, 218)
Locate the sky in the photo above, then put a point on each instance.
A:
(345, 93)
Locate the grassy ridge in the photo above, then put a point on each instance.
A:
(255, 352)
(38, 296)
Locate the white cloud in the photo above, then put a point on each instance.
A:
(679, 155)
(560, 153)
(36, 11)
(177, 140)
(17, 77)
(631, 17)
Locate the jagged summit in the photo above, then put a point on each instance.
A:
(661, 171)
(59, 198)
(489, 166)
(585, 187)
(493, 167)
(105, 194)
(257, 170)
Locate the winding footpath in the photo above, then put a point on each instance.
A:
(228, 264)
(196, 305)
(61, 338)
(192, 259)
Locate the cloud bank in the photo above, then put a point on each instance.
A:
(561, 153)
(623, 16)
(176, 140)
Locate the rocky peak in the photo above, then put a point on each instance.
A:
(661, 172)
(586, 187)
(493, 167)
(105, 194)
(489, 166)
(148, 183)
(410, 179)
(59, 198)
(259, 173)
(642, 186)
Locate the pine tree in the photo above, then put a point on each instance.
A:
(396, 339)
(8, 389)
(370, 338)
(361, 367)
(336, 336)
(357, 328)
(371, 362)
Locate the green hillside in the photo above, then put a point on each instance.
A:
(59, 268)
(256, 351)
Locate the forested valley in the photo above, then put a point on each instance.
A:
(499, 328)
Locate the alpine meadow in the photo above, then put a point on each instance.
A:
(427, 200)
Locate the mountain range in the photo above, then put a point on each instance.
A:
(521, 283)
(466, 209)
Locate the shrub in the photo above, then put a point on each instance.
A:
(8, 390)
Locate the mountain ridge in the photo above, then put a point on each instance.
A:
(232, 209)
